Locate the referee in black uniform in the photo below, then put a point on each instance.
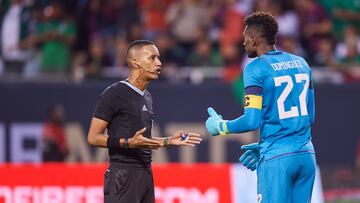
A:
(125, 110)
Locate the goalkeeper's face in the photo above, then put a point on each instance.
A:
(249, 43)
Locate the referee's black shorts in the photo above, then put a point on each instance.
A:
(128, 185)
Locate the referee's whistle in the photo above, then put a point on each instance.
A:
(184, 137)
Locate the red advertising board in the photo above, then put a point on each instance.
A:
(51, 183)
(52, 174)
(82, 183)
(197, 183)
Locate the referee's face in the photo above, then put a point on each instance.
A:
(150, 61)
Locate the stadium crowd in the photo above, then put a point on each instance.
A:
(86, 39)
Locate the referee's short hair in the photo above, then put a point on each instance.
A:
(137, 44)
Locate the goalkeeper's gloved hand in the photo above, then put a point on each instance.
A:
(215, 124)
(251, 157)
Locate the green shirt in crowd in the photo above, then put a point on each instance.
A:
(55, 54)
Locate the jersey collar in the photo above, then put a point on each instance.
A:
(274, 52)
(134, 88)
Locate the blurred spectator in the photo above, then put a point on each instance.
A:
(232, 25)
(127, 14)
(232, 71)
(185, 18)
(154, 16)
(15, 35)
(205, 55)
(291, 44)
(232, 61)
(90, 22)
(78, 66)
(135, 32)
(96, 60)
(56, 35)
(288, 20)
(348, 50)
(289, 25)
(346, 13)
(315, 24)
(349, 54)
(121, 45)
(55, 144)
(108, 17)
(325, 56)
(32, 66)
(171, 54)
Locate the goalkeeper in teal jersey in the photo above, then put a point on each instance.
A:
(280, 102)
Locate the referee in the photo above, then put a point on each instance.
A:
(125, 109)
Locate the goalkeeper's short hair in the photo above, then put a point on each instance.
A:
(265, 23)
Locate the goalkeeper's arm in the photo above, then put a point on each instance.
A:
(248, 122)
(252, 112)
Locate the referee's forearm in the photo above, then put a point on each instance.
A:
(97, 140)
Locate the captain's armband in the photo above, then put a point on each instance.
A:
(253, 101)
(253, 97)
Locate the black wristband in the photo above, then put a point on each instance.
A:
(126, 143)
(113, 142)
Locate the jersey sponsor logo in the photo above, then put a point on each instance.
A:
(144, 108)
(286, 65)
(253, 101)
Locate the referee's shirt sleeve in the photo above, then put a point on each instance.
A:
(106, 106)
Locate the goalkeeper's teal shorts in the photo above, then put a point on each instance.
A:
(286, 179)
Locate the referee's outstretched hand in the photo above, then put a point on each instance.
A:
(180, 138)
(139, 141)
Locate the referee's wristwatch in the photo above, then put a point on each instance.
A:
(126, 143)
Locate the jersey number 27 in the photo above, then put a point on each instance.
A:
(293, 112)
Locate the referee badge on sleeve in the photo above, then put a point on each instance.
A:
(253, 101)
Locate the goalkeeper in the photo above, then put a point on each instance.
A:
(279, 101)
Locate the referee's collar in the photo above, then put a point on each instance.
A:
(133, 87)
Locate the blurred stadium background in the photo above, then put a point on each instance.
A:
(56, 57)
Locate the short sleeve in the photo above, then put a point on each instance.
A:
(106, 106)
(252, 75)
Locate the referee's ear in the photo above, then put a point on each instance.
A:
(131, 62)
(130, 59)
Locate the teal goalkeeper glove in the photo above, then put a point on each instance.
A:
(251, 157)
(215, 124)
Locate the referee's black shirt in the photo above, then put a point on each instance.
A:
(127, 109)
